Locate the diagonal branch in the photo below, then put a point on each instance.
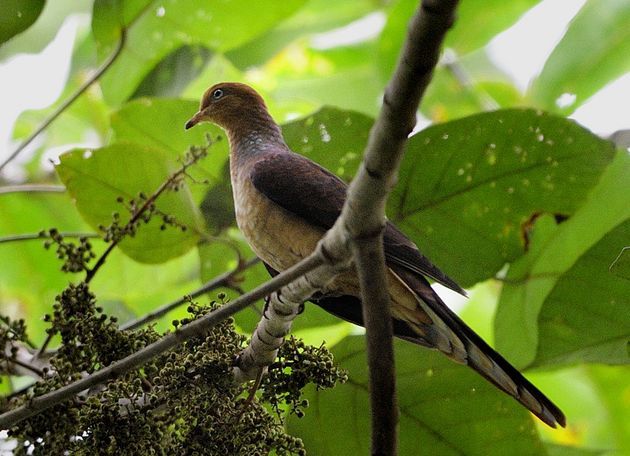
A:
(195, 328)
(218, 282)
(67, 103)
(32, 188)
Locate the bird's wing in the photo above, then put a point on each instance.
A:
(318, 196)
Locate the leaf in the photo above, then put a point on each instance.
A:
(445, 409)
(159, 124)
(139, 288)
(154, 31)
(333, 138)
(477, 22)
(314, 17)
(593, 51)
(562, 450)
(467, 188)
(552, 293)
(18, 15)
(174, 72)
(35, 38)
(341, 76)
(611, 386)
(96, 178)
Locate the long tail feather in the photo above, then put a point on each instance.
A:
(477, 353)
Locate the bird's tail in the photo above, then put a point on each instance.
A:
(449, 334)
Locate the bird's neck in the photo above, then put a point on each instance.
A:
(255, 136)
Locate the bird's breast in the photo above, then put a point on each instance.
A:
(277, 236)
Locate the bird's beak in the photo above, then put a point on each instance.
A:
(194, 120)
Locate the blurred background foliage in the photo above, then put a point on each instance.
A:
(525, 208)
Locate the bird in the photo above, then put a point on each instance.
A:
(284, 204)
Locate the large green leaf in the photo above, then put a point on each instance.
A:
(611, 386)
(567, 337)
(155, 30)
(340, 76)
(18, 15)
(35, 38)
(468, 187)
(128, 289)
(333, 138)
(445, 409)
(593, 51)
(554, 293)
(96, 178)
(174, 72)
(477, 22)
(315, 16)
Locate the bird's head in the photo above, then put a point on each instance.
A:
(229, 105)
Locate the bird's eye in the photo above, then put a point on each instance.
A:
(217, 94)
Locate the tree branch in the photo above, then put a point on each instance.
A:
(219, 281)
(66, 104)
(35, 236)
(282, 308)
(194, 328)
(32, 188)
(363, 215)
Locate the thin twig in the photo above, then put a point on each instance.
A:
(32, 188)
(66, 104)
(219, 281)
(36, 236)
(451, 62)
(25, 365)
(194, 328)
(137, 215)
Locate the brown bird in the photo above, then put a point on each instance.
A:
(285, 203)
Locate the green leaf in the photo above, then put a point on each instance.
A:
(340, 76)
(174, 72)
(477, 22)
(155, 31)
(18, 15)
(159, 124)
(467, 188)
(611, 386)
(315, 16)
(562, 450)
(445, 409)
(96, 178)
(333, 138)
(552, 293)
(34, 39)
(135, 289)
(593, 51)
